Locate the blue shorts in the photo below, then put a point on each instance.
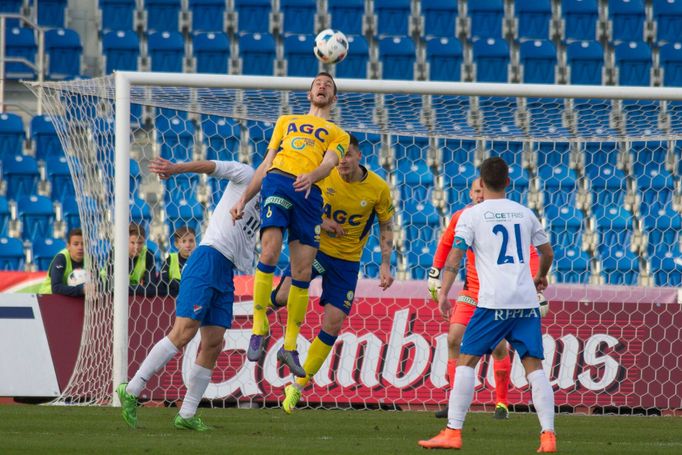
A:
(521, 328)
(283, 207)
(207, 288)
(339, 279)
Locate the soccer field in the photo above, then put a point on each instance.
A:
(50, 429)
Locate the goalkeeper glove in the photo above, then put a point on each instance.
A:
(544, 304)
(434, 283)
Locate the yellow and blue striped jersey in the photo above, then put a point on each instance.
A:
(302, 140)
(354, 206)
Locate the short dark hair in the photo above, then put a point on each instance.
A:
(74, 232)
(137, 229)
(354, 141)
(183, 231)
(495, 173)
(324, 73)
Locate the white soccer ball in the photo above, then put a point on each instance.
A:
(331, 46)
(78, 277)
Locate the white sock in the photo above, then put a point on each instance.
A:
(460, 396)
(199, 378)
(543, 399)
(157, 358)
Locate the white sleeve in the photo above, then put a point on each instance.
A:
(233, 171)
(538, 234)
(464, 228)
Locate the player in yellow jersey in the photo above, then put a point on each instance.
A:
(353, 198)
(302, 151)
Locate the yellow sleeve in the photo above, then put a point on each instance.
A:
(384, 206)
(340, 143)
(277, 134)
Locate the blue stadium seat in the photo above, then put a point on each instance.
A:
(499, 120)
(5, 216)
(36, 215)
(11, 7)
(458, 151)
(558, 185)
(22, 176)
(422, 221)
(20, 43)
(162, 15)
(411, 148)
(585, 62)
(57, 173)
(445, 56)
(614, 227)
(553, 154)
(510, 151)
(346, 15)
(518, 187)
(491, 57)
(300, 60)
(44, 251)
(670, 60)
(454, 111)
(656, 188)
(140, 212)
(393, 17)
(594, 119)
(608, 186)
(419, 258)
(565, 226)
(253, 15)
(299, 15)
(667, 268)
(221, 137)
(207, 15)
(257, 52)
(116, 14)
(440, 17)
(167, 51)
(11, 254)
(620, 266)
(539, 61)
(135, 177)
(634, 63)
(397, 55)
(184, 212)
(218, 187)
(51, 13)
(662, 228)
(648, 155)
(176, 137)
(580, 19)
(121, 50)
(459, 177)
(534, 17)
(259, 137)
(571, 265)
(486, 18)
(355, 64)
(370, 147)
(211, 52)
(65, 49)
(70, 213)
(414, 180)
(12, 136)
(627, 20)
(667, 16)
(600, 153)
(371, 259)
(546, 117)
(153, 248)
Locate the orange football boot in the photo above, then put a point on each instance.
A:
(547, 442)
(446, 439)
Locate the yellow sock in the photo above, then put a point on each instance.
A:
(262, 286)
(319, 351)
(297, 304)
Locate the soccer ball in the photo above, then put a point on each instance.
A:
(331, 46)
(78, 277)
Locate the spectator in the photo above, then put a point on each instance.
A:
(65, 262)
(185, 240)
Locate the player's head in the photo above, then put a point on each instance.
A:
(185, 240)
(351, 160)
(74, 244)
(494, 174)
(136, 239)
(476, 191)
(322, 92)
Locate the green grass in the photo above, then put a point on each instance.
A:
(52, 429)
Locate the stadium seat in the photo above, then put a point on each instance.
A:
(57, 173)
(419, 258)
(499, 119)
(667, 269)
(11, 254)
(5, 216)
(445, 56)
(670, 60)
(565, 226)
(20, 43)
(421, 220)
(207, 15)
(518, 187)
(166, 51)
(608, 186)
(153, 248)
(217, 188)
(12, 136)
(393, 17)
(397, 55)
(22, 176)
(571, 265)
(585, 62)
(546, 117)
(559, 185)
(370, 147)
(121, 50)
(11, 7)
(655, 188)
(347, 15)
(667, 15)
(221, 137)
(37, 217)
(580, 19)
(533, 18)
(440, 18)
(594, 120)
(355, 64)
(600, 153)
(486, 18)
(257, 52)
(620, 266)
(648, 155)
(253, 15)
(301, 62)
(509, 151)
(662, 229)
(64, 49)
(116, 15)
(140, 212)
(414, 180)
(211, 52)
(614, 227)
(458, 180)
(458, 151)
(176, 138)
(184, 212)
(162, 15)
(539, 61)
(135, 177)
(633, 60)
(259, 137)
(44, 251)
(491, 59)
(299, 15)
(627, 20)
(51, 13)
(553, 154)
(181, 186)
(70, 213)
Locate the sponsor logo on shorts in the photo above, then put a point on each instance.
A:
(466, 299)
(197, 308)
(503, 315)
(318, 267)
(276, 200)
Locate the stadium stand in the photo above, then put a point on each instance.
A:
(257, 52)
(253, 15)
(64, 49)
(207, 15)
(20, 43)
(12, 136)
(166, 51)
(116, 15)
(52, 13)
(5, 216)
(344, 15)
(37, 217)
(300, 60)
(120, 51)
(299, 16)
(11, 254)
(355, 64)
(211, 51)
(533, 18)
(440, 18)
(44, 251)
(667, 15)
(444, 56)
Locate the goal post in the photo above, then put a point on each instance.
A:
(390, 109)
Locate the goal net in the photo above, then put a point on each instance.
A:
(599, 165)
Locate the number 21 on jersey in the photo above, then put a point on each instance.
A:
(503, 258)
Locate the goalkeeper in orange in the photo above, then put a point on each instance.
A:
(465, 305)
(302, 151)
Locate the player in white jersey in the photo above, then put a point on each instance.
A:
(206, 290)
(500, 232)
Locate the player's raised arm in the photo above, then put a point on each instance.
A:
(164, 168)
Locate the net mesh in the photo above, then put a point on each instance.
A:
(603, 175)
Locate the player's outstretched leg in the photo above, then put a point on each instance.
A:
(290, 359)
(128, 405)
(292, 395)
(262, 286)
